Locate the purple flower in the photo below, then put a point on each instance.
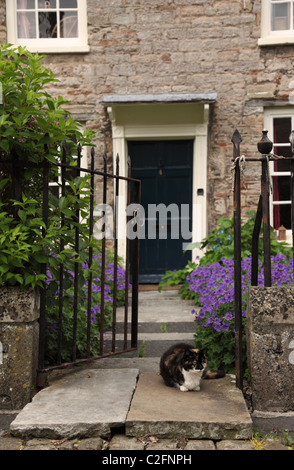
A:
(228, 316)
(214, 285)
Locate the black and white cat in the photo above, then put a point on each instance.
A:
(184, 367)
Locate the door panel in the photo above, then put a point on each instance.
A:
(165, 169)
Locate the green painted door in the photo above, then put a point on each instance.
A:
(165, 169)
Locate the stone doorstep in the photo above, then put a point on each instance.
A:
(92, 403)
(88, 403)
(217, 412)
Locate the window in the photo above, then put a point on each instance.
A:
(282, 127)
(280, 124)
(281, 16)
(277, 22)
(48, 25)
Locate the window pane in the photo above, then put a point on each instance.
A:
(68, 4)
(46, 4)
(47, 25)
(280, 16)
(282, 129)
(283, 151)
(25, 4)
(68, 24)
(284, 188)
(26, 25)
(285, 216)
(282, 165)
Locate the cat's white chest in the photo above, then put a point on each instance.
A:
(192, 380)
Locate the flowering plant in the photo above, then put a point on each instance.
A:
(213, 290)
(218, 245)
(82, 307)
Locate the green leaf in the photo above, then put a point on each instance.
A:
(3, 119)
(4, 145)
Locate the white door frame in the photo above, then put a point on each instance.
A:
(123, 130)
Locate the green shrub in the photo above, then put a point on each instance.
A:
(34, 129)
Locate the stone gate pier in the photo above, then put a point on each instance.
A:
(19, 344)
(270, 352)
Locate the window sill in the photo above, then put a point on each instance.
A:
(276, 40)
(59, 49)
(56, 49)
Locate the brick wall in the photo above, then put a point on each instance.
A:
(181, 46)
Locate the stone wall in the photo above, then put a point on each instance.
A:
(181, 46)
(270, 344)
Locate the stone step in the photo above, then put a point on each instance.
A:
(159, 327)
(96, 402)
(153, 338)
(150, 348)
(149, 344)
(217, 411)
(182, 336)
(81, 404)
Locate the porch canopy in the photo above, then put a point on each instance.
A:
(109, 100)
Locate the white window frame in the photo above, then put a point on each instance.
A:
(51, 45)
(269, 115)
(269, 37)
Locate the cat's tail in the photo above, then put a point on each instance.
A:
(209, 374)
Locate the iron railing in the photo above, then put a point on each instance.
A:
(262, 219)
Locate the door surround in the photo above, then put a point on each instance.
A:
(169, 120)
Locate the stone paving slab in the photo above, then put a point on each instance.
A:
(120, 442)
(217, 412)
(87, 403)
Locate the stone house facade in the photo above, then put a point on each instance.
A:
(147, 73)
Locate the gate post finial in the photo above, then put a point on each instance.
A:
(236, 140)
(265, 145)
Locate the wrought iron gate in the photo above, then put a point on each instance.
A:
(130, 302)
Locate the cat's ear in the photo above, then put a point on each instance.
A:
(202, 353)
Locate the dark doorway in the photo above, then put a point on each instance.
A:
(165, 169)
